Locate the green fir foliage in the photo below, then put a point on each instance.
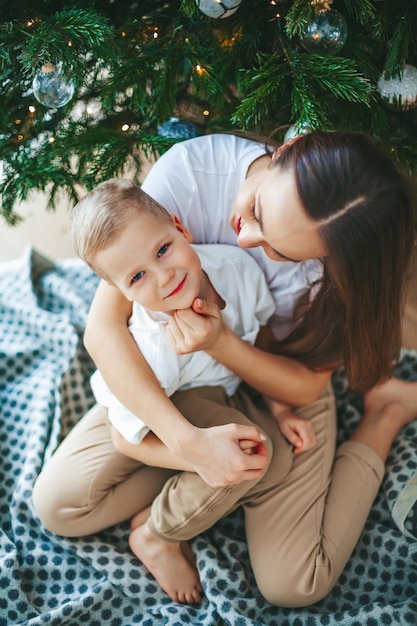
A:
(137, 64)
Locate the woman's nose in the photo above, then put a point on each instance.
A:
(248, 236)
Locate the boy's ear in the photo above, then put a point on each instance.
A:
(182, 229)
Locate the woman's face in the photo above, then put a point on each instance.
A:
(269, 213)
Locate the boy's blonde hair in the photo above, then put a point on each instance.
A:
(102, 214)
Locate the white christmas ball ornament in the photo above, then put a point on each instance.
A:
(400, 92)
(218, 8)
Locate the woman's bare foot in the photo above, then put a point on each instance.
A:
(387, 409)
(394, 392)
(171, 563)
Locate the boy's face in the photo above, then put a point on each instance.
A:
(151, 262)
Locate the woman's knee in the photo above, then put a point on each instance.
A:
(291, 592)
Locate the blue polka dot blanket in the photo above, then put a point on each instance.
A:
(96, 580)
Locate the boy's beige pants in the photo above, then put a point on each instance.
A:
(303, 518)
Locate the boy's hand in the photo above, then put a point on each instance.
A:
(297, 430)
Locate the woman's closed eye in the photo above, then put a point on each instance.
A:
(252, 213)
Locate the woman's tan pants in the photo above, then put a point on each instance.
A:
(303, 518)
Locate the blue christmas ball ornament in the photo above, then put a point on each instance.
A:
(175, 128)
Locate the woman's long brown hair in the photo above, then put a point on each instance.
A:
(364, 208)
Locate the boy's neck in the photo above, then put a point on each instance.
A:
(208, 292)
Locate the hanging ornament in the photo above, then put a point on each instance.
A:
(296, 131)
(50, 88)
(218, 8)
(400, 92)
(327, 33)
(175, 128)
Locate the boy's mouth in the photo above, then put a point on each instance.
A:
(178, 288)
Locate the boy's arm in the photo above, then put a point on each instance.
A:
(151, 451)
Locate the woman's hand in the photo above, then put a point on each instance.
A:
(197, 328)
(216, 454)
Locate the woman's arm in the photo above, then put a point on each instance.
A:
(280, 378)
(213, 452)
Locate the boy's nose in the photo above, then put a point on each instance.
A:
(164, 276)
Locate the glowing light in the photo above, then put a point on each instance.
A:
(32, 109)
(17, 121)
(51, 139)
(206, 112)
(19, 137)
(125, 127)
(123, 34)
(155, 33)
(69, 44)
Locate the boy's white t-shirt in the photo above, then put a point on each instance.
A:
(198, 180)
(238, 279)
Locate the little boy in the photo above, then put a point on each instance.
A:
(133, 243)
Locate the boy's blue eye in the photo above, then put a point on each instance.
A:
(137, 277)
(162, 249)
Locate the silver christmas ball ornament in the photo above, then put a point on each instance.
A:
(326, 34)
(50, 88)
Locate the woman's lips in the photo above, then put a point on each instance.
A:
(178, 288)
(238, 224)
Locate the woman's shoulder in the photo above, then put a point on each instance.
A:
(212, 150)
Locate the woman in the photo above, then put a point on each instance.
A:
(334, 208)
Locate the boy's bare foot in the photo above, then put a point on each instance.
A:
(171, 563)
(140, 518)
